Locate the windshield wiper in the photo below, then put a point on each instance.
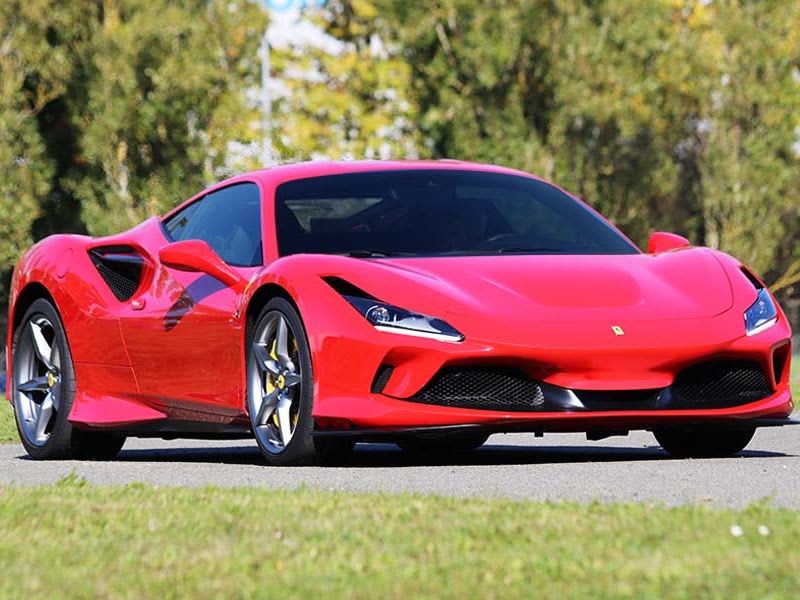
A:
(373, 253)
(522, 250)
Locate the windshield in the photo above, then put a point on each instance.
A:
(436, 213)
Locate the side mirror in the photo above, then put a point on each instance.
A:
(661, 241)
(196, 256)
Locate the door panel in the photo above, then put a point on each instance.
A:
(185, 343)
(183, 333)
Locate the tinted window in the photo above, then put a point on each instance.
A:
(437, 213)
(229, 220)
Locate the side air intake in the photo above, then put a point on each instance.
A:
(485, 388)
(721, 383)
(121, 269)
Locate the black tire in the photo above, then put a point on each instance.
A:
(443, 445)
(63, 441)
(704, 442)
(301, 449)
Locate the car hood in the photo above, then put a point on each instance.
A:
(685, 284)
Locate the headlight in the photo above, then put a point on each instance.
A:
(762, 315)
(385, 317)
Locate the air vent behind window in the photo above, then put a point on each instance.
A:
(121, 269)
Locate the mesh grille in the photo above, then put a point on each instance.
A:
(729, 383)
(121, 269)
(381, 378)
(122, 286)
(482, 388)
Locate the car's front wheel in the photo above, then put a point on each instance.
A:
(43, 388)
(704, 442)
(280, 385)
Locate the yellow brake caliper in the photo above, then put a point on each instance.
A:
(270, 384)
(297, 414)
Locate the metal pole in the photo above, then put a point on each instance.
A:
(266, 102)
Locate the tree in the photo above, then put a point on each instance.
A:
(32, 75)
(164, 94)
(342, 91)
(664, 114)
(751, 168)
(113, 110)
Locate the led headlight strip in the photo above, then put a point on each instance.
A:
(392, 319)
(762, 315)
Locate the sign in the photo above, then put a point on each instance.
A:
(284, 5)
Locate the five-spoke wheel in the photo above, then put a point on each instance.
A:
(280, 390)
(38, 376)
(276, 383)
(43, 388)
(279, 385)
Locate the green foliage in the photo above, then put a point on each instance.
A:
(117, 109)
(344, 96)
(139, 541)
(8, 428)
(164, 78)
(25, 168)
(750, 173)
(663, 114)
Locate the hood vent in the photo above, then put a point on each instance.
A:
(752, 278)
(345, 288)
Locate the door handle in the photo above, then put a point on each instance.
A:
(138, 304)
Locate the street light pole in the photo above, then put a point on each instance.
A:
(267, 157)
(266, 102)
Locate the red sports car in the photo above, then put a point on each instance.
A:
(427, 303)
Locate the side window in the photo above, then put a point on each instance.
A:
(229, 220)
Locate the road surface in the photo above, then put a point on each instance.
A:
(519, 466)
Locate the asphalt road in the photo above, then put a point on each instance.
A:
(556, 467)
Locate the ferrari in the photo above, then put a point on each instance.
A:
(429, 304)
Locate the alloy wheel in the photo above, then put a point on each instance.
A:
(38, 380)
(275, 374)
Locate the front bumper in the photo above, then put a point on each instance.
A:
(382, 413)
(650, 357)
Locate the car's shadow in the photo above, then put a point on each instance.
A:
(388, 455)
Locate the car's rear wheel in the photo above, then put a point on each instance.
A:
(43, 388)
(280, 388)
(704, 442)
(444, 445)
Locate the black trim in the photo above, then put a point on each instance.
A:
(169, 429)
(390, 434)
(345, 288)
(706, 385)
(751, 277)
(382, 377)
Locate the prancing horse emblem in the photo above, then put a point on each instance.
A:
(617, 330)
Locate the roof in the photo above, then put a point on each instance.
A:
(316, 169)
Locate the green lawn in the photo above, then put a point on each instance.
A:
(78, 540)
(8, 429)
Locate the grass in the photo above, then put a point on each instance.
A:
(8, 429)
(74, 539)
